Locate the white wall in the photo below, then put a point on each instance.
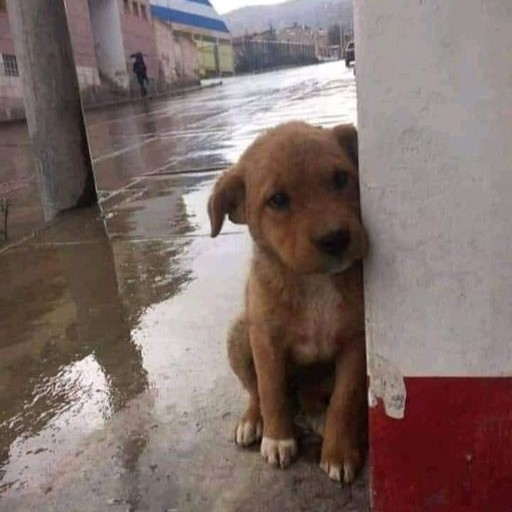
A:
(435, 119)
(177, 55)
(166, 52)
(108, 40)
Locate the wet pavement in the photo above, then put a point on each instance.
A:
(115, 393)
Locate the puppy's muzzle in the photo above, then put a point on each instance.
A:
(334, 243)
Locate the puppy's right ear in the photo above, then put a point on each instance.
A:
(228, 198)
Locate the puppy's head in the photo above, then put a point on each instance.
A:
(297, 189)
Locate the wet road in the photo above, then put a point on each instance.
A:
(115, 392)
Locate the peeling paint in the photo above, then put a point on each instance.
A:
(387, 383)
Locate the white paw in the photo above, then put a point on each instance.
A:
(335, 472)
(248, 433)
(278, 452)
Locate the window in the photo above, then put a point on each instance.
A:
(135, 8)
(10, 65)
(144, 11)
(126, 4)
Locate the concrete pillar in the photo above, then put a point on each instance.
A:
(52, 103)
(108, 41)
(435, 104)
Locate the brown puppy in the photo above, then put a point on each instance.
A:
(296, 187)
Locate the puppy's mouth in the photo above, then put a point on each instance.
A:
(339, 268)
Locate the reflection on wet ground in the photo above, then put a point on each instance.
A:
(114, 388)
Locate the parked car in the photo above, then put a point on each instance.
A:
(350, 53)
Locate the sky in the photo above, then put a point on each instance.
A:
(223, 6)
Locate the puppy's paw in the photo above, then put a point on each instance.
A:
(248, 432)
(341, 464)
(278, 452)
(343, 474)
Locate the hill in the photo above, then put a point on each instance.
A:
(314, 13)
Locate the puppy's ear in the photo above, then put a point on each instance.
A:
(346, 135)
(228, 198)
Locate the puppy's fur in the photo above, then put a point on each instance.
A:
(296, 188)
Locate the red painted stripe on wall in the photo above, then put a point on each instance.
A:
(451, 453)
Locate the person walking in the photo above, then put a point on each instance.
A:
(140, 70)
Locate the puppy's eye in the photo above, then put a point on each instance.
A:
(340, 179)
(279, 201)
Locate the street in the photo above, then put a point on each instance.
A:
(115, 391)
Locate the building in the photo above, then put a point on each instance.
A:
(326, 51)
(178, 56)
(293, 46)
(198, 21)
(104, 33)
(179, 47)
(297, 34)
(10, 88)
(119, 28)
(305, 35)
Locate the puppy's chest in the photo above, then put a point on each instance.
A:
(316, 321)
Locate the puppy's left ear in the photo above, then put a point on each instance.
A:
(346, 135)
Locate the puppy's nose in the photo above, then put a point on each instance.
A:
(335, 243)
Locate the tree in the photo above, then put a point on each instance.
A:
(334, 34)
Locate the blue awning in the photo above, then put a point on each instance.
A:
(194, 13)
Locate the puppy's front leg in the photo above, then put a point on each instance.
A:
(345, 427)
(278, 445)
